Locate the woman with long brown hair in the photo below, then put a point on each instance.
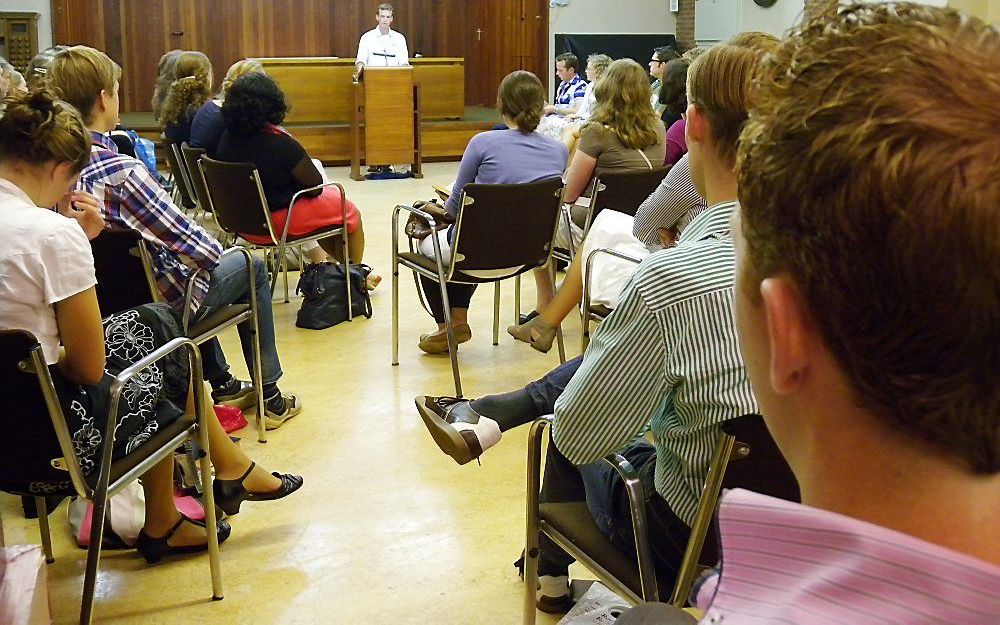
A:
(623, 134)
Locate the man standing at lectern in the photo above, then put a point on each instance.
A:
(381, 46)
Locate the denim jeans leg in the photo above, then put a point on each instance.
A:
(545, 391)
(229, 285)
(213, 361)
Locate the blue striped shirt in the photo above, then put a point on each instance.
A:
(666, 358)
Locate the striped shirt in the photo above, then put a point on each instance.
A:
(785, 562)
(570, 93)
(667, 357)
(674, 203)
(132, 199)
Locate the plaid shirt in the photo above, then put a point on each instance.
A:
(133, 199)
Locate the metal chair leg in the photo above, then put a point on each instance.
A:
(43, 528)
(200, 441)
(531, 515)
(496, 313)
(450, 331)
(561, 344)
(517, 299)
(395, 309)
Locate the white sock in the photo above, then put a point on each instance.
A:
(553, 585)
(487, 431)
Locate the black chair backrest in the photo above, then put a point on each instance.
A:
(236, 198)
(507, 226)
(121, 275)
(764, 470)
(191, 156)
(625, 191)
(181, 177)
(29, 442)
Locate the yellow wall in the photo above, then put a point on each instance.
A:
(988, 10)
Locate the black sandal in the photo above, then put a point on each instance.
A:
(229, 494)
(153, 549)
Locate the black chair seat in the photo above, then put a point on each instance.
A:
(424, 262)
(217, 320)
(600, 311)
(573, 520)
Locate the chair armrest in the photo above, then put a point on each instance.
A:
(588, 269)
(298, 194)
(430, 221)
(637, 506)
(189, 287)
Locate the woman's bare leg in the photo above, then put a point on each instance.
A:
(567, 297)
(543, 287)
(161, 514)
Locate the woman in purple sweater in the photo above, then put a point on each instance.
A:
(512, 156)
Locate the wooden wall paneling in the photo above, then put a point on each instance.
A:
(535, 38)
(146, 34)
(78, 22)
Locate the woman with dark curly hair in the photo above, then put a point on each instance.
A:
(253, 109)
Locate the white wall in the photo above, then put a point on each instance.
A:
(43, 8)
(716, 20)
(606, 17)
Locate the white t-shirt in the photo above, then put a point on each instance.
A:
(378, 50)
(44, 258)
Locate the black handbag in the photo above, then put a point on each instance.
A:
(324, 293)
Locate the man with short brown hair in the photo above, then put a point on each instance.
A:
(868, 308)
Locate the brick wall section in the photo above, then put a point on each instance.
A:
(685, 24)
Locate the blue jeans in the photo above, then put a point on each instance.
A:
(229, 285)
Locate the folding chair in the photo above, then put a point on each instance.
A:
(502, 231)
(240, 207)
(633, 575)
(37, 447)
(183, 195)
(125, 279)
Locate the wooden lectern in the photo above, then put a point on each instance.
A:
(386, 109)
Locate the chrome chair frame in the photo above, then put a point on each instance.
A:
(442, 275)
(279, 244)
(727, 449)
(104, 488)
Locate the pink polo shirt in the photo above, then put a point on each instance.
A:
(783, 562)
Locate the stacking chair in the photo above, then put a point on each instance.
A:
(632, 575)
(589, 310)
(37, 449)
(502, 231)
(240, 206)
(183, 195)
(125, 280)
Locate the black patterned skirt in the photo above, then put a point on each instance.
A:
(152, 399)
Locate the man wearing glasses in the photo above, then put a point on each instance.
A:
(657, 65)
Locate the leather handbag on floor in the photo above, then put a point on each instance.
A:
(417, 227)
(324, 304)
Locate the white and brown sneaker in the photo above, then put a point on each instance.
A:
(458, 430)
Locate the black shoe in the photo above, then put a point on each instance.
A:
(458, 430)
(153, 549)
(229, 494)
(523, 319)
(555, 605)
(235, 393)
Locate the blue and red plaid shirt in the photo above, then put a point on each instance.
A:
(133, 199)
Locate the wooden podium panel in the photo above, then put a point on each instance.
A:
(318, 89)
(388, 115)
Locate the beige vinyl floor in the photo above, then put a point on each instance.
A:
(387, 529)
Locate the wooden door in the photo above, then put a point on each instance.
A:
(505, 35)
